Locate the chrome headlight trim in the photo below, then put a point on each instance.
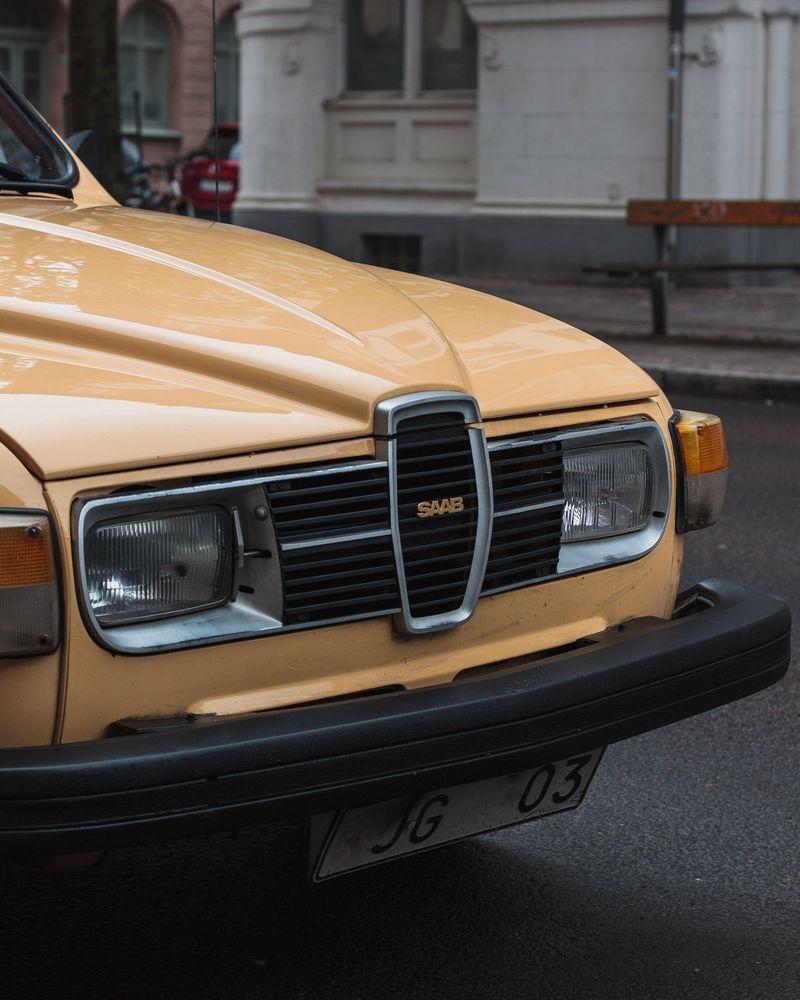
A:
(579, 557)
(584, 557)
(246, 617)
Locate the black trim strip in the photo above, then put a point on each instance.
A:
(60, 186)
(202, 776)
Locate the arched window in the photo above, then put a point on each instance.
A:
(145, 56)
(228, 70)
(23, 48)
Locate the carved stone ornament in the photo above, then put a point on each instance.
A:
(490, 55)
(291, 62)
(709, 53)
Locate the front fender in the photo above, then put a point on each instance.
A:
(30, 687)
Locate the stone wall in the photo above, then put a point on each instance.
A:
(569, 121)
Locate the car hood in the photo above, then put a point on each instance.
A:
(131, 339)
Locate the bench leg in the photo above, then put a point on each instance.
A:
(659, 284)
(659, 289)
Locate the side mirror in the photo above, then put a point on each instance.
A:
(87, 146)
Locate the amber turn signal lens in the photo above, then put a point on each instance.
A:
(704, 456)
(702, 438)
(26, 554)
(29, 594)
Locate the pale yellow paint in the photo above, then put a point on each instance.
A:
(287, 669)
(137, 348)
(159, 340)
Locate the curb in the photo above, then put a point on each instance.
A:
(730, 385)
(707, 335)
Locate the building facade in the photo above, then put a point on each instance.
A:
(165, 66)
(505, 136)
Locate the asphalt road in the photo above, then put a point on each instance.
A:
(679, 876)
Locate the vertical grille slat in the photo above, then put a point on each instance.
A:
(434, 463)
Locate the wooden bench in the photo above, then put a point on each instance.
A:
(664, 215)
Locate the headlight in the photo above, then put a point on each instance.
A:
(616, 494)
(158, 565)
(176, 568)
(607, 491)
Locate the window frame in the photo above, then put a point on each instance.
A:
(20, 39)
(30, 120)
(141, 47)
(232, 63)
(413, 57)
(423, 90)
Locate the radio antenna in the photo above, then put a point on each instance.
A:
(216, 104)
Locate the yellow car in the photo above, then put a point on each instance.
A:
(285, 536)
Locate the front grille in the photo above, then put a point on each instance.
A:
(330, 570)
(528, 485)
(331, 502)
(333, 525)
(321, 544)
(435, 464)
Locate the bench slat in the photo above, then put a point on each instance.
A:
(713, 213)
(686, 267)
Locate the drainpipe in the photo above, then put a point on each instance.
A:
(677, 26)
(666, 236)
(778, 137)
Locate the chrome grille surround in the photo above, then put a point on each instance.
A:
(415, 408)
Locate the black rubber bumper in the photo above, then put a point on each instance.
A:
(206, 776)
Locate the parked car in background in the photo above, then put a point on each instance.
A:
(198, 175)
(286, 536)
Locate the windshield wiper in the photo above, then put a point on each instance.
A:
(11, 173)
(16, 182)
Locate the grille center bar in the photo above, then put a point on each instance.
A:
(441, 507)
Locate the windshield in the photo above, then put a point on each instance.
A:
(29, 152)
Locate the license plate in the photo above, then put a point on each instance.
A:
(210, 187)
(370, 835)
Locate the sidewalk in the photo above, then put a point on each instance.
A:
(741, 372)
(739, 342)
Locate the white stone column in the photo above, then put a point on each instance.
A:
(778, 105)
(285, 78)
(723, 105)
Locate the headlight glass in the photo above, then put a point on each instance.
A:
(608, 491)
(159, 565)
